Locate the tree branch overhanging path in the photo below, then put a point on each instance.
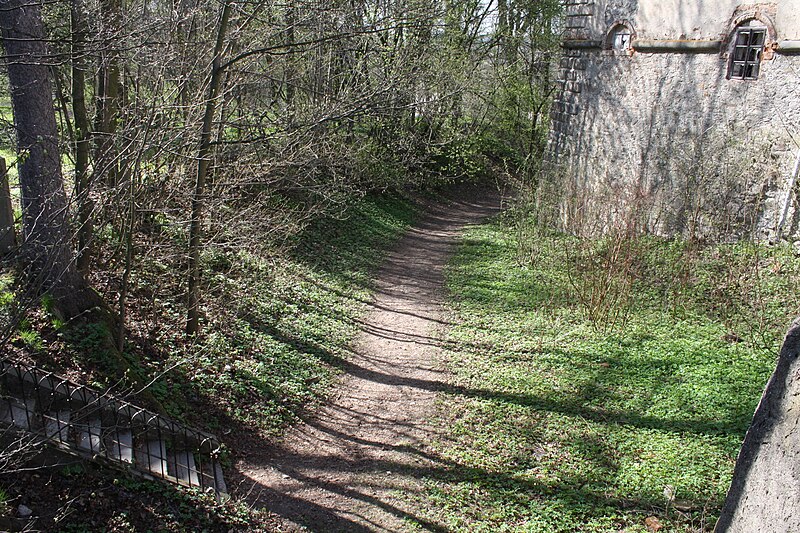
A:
(341, 469)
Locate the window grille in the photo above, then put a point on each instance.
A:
(622, 40)
(619, 38)
(748, 49)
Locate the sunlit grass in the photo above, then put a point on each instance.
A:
(556, 425)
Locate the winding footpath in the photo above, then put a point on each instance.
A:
(343, 469)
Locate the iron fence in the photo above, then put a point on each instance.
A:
(98, 426)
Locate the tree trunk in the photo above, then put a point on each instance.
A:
(506, 49)
(82, 135)
(203, 160)
(290, 21)
(108, 95)
(8, 236)
(46, 247)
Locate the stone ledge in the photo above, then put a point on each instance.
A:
(581, 44)
(789, 47)
(677, 45)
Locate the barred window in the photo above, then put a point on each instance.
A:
(748, 48)
(622, 40)
(619, 38)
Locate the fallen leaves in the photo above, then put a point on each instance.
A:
(653, 524)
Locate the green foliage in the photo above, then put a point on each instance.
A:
(72, 470)
(379, 163)
(498, 150)
(274, 350)
(90, 341)
(463, 159)
(159, 505)
(522, 108)
(30, 336)
(7, 299)
(556, 425)
(6, 289)
(48, 304)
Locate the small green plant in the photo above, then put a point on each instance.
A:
(6, 298)
(30, 337)
(72, 470)
(4, 501)
(48, 304)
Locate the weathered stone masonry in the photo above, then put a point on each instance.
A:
(657, 125)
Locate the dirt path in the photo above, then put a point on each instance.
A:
(341, 471)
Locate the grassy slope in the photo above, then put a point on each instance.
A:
(556, 426)
(284, 325)
(276, 329)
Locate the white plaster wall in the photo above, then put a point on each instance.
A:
(684, 19)
(633, 123)
(788, 20)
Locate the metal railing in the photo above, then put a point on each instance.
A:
(100, 427)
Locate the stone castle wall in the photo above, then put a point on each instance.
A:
(659, 129)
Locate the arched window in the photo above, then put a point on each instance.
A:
(747, 50)
(619, 37)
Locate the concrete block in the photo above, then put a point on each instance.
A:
(120, 447)
(56, 425)
(151, 457)
(185, 468)
(89, 435)
(20, 413)
(221, 487)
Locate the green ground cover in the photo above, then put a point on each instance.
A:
(277, 328)
(560, 421)
(289, 319)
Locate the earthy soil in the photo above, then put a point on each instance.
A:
(344, 467)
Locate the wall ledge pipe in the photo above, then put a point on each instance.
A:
(789, 47)
(676, 45)
(581, 44)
